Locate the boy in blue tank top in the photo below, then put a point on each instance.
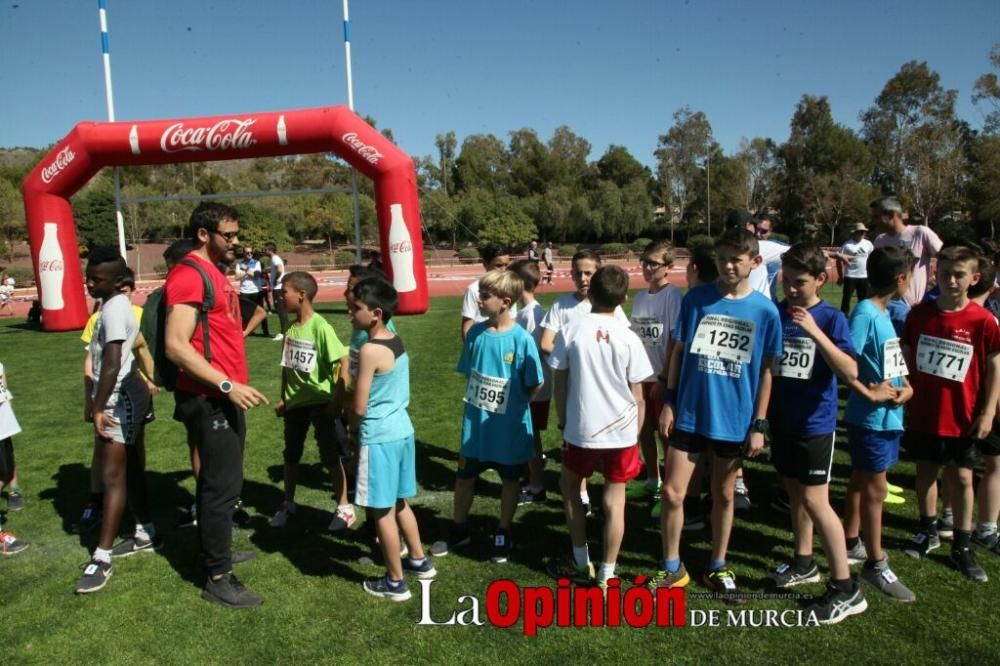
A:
(386, 460)
(503, 370)
(717, 392)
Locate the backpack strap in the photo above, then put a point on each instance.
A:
(207, 303)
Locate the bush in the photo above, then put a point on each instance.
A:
(700, 239)
(428, 255)
(160, 269)
(567, 250)
(345, 258)
(639, 244)
(614, 249)
(23, 276)
(468, 255)
(320, 263)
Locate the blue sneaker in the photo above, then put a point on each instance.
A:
(424, 571)
(382, 588)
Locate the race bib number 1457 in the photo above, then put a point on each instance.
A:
(299, 355)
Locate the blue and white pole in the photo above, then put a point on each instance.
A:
(110, 98)
(350, 105)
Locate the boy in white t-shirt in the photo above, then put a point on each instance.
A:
(599, 364)
(529, 317)
(495, 257)
(571, 308)
(654, 315)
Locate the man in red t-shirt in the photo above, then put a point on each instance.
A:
(952, 349)
(212, 395)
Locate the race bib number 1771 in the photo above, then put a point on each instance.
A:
(943, 358)
(720, 336)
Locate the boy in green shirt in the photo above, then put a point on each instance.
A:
(311, 389)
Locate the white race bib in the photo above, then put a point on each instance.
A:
(894, 365)
(649, 330)
(720, 336)
(299, 355)
(491, 394)
(943, 358)
(798, 359)
(5, 394)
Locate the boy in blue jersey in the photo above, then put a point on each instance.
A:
(803, 418)
(387, 459)
(874, 416)
(501, 363)
(717, 392)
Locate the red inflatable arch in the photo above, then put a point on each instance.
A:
(92, 146)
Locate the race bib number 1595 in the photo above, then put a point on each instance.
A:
(490, 394)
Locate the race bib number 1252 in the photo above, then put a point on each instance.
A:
(720, 336)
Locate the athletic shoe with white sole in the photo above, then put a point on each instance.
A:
(230, 592)
(95, 576)
(424, 571)
(990, 543)
(922, 543)
(836, 606)
(10, 544)
(787, 575)
(858, 554)
(501, 547)
(882, 578)
(946, 527)
(135, 545)
(661, 578)
(964, 560)
(382, 588)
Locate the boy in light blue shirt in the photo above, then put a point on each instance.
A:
(501, 363)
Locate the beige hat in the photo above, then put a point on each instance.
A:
(860, 226)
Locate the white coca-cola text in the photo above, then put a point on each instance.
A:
(368, 153)
(401, 247)
(63, 159)
(223, 135)
(53, 265)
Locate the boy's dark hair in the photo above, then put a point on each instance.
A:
(886, 264)
(956, 253)
(178, 250)
(703, 258)
(660, 246)
(527, 270)
(128, 279)
(806, 256)
(376, 293)
(270, 247)
(108, 255)
(987, 277)
(361, 272)
(585, 254)
(303, 282)
(745, 242)
(207, 216)
(609, 287)
(739, 218)
(491, 251)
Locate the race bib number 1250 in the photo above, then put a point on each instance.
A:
(719, 336)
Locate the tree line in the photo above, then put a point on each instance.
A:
(911, 143)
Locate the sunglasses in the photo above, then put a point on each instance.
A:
(228, 235)
(761, 231)
(652, 265)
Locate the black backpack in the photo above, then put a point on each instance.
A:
(154, 324)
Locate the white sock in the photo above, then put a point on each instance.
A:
(607, 571)
(582, 555)
(985, 529)
(585, 498)
(102, 555)
(349, 508)
(144, 531)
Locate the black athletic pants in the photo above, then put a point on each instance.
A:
(851, 286)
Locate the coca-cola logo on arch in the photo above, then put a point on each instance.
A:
(54, 265)
(224, 135)
(401, 246)
(369, 153)
(62, 160)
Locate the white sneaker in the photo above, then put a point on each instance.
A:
(278, 338)
(280, 517)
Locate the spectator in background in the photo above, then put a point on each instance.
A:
(277, 274)
(854, 256)
(533, 252)
(249, 271)
(547, 258)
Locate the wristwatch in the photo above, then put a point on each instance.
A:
(226, 385)
(761, 426)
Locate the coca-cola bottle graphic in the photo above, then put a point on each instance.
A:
(51, 269)
(400, 251)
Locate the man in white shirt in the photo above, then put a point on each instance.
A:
(249, 271)
(854, 255)
(277, 275)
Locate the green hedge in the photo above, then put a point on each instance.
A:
(345, 258)
(468, 255)
(614, 248)
(567, 250)
(700, 239)
(639, 244)
(320, 263)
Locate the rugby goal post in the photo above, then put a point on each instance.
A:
(91, 146)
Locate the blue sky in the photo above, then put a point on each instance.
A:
(614, 72)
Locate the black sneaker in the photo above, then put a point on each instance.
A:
(458, 538)
(527, 496)
(15, 501)
(89, 519)
(500, 550)
(722, 582)
(95, 576)
(836, 606)
(135, 545)
(965, 560)
(788, 576)
(990, 544)
(230, 592)
(922, 543)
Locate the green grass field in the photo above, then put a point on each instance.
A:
(315, 609)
